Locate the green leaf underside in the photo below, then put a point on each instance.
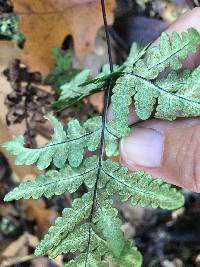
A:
(53, 182)
(63, 146)
(138, 187)
(110, 226)
(176, 94)
(71, 217)
(168, 95)
(106, 239)
(130, 256)
(106, 236)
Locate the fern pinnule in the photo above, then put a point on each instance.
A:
(64, 145)
(54, 183)
(71, 217)
(142, 86)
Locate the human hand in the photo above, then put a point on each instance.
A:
(170, 150)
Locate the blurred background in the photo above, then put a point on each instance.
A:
(43, 45)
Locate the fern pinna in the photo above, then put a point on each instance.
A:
(91, 228)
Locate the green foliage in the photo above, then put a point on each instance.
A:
(91, 228)
(53, 182)
(144, 84)
(138, 187)
(77, 88)
(64, 145)
(63, 71)
(129, 257)
(9, 29)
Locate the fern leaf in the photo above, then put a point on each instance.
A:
(106, 237)
(140, 188)
(9, 29)
(169, 53)
(181, 95)
(91, 227)
(176, 94)
(77, 241)
(130, 256)
(63, 146)
(121, 101)
(136, 53)
(54, 182)
(78, 88)
(64, 225)
(70, 89)
(93, 261)
(110, 226)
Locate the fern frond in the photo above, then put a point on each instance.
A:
(71, 217)
(106, 238)
(135, 54)
(63, 146)
(181, 95)
(77, 241)
(79, 88)
(91, 227)
(169, 53)
(140, 188)
(54, 182)
(176, 94)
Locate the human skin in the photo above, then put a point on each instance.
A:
(169, 150)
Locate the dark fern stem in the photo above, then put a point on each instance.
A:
(104, 114)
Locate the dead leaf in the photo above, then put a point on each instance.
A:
(96, 100)
(15, 247)
(9, 52)
(35, 210)
(7, 209)
(46, 24)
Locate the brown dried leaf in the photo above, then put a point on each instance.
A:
(35, 210)
(16, 246)
(51, 21)
(96, 100)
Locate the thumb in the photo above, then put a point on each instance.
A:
(170, 150)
